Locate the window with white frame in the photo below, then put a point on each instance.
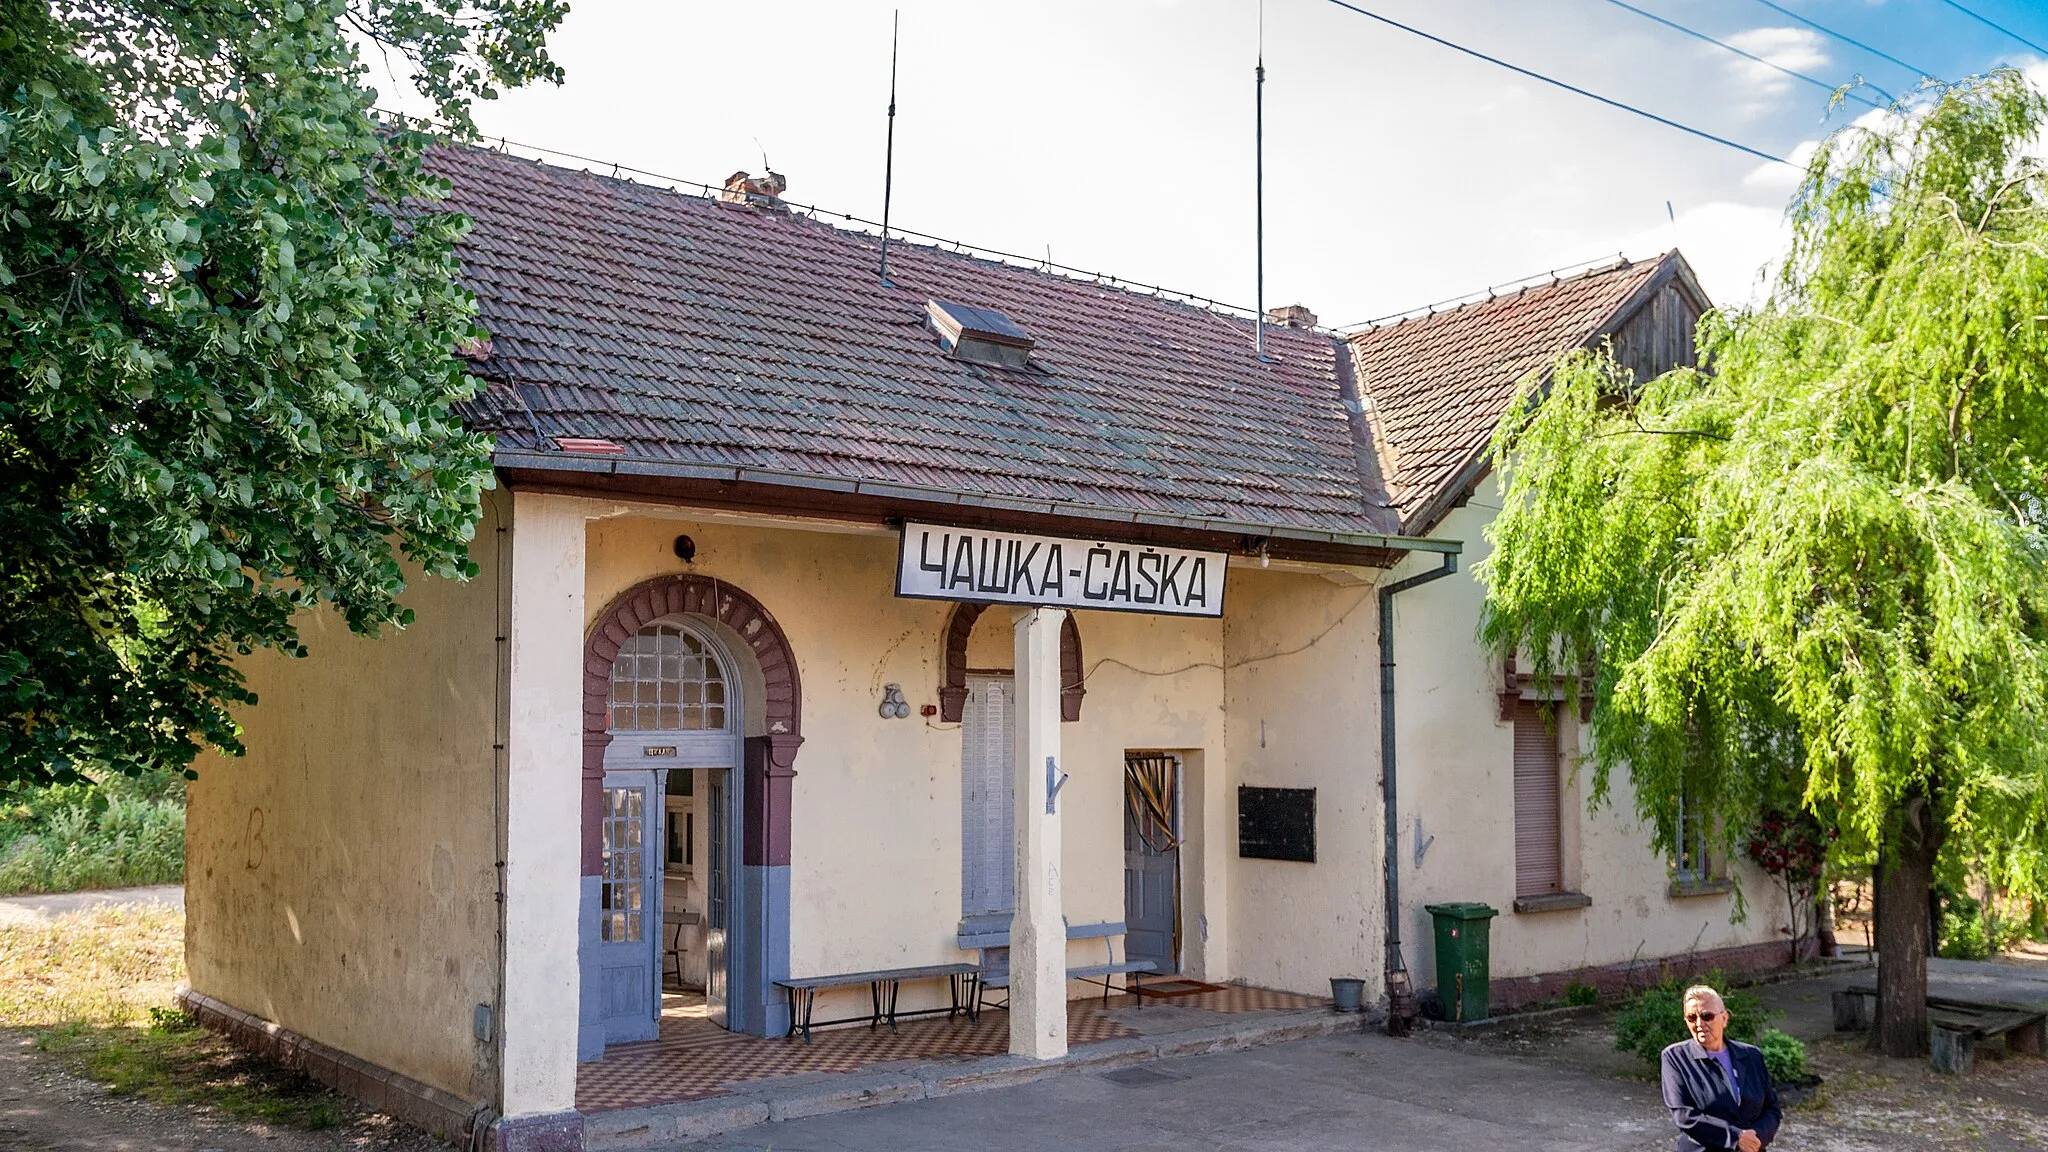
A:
(1691, 863)
(666, 680)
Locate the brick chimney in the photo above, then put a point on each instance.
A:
(1291, 316)
(764, 192)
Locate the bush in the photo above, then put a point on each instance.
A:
(91, 838)
(1784, 1056)
(1577, 994)
(1654, 1019)
(1963, 936)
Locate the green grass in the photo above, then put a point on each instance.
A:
(175, 1062)
(93, 989)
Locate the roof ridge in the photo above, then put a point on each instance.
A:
(815, 214)
(1585, 270)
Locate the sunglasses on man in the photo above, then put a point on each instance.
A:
(1701, 1017)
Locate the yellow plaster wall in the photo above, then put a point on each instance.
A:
(1302, 694)
(1456, 773)
(340, 878)
(875, 821)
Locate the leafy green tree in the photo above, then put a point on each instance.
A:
(1824, 558)
(228, 311)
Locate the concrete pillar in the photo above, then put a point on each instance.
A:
(1038, 933)
(543, 803)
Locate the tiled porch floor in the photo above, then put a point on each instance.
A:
(694, 1059)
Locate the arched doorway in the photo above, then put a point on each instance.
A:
(685, 673)
(674, 714)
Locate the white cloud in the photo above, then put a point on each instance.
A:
(1796, 48)
(1763, 88)
(1733, 248)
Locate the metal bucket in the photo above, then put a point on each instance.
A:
(1347, 994)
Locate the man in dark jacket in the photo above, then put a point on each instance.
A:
(1718, 1090)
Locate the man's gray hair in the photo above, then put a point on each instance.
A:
(1701, 992)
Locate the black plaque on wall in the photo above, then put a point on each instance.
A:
(1276, 823)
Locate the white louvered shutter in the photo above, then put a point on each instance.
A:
(988, 815)
(1538, 870)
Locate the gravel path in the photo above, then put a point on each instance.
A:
(49, 906)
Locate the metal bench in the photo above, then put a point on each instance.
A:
(1954, 1027)
(883, 985)
(996, 942)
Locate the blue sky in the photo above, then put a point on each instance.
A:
(1118, 133)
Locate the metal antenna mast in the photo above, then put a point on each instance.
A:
(1259, 178)
(889, 152)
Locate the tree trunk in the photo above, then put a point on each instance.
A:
(1824, 919)
(1905, 874)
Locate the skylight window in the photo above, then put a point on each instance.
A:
(980, 335)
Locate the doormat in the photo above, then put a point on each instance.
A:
(1166, 988)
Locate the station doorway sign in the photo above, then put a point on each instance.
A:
(935, 562)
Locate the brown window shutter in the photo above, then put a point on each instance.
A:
(1538, 869)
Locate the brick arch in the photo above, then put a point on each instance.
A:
(768, 760)
(953, 692)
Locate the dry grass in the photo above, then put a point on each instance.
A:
(2027, 954)
(94, 989)
(103, 967)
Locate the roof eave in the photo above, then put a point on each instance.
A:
(592, 466)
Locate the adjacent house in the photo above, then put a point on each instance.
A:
(830, 624)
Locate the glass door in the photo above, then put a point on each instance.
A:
(629, 908)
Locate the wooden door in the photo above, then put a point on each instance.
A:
(1152, 860)
(718, 897)
(988, 809)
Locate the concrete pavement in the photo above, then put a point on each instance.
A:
(1354, 1091)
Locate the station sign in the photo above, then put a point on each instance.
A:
(976, 565)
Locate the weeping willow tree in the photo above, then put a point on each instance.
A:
(1818, 568)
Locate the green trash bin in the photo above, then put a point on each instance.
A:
(1462, 967)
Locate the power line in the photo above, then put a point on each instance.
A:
(1999, 27)
(1609, 101)
(1826, 31)
(1697, 35)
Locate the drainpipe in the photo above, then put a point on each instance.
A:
(1401, 1010)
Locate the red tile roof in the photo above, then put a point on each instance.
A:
(1438, 384)
(693, 333)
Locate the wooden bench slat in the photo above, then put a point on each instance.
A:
(1095, 931)
(848, 979)
(1111, 969)
(1954, 1026)
(1982, 1025)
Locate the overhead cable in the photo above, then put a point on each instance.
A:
(1998, 27)
(1826, 31)
(1697, 35)
(1573, 88)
